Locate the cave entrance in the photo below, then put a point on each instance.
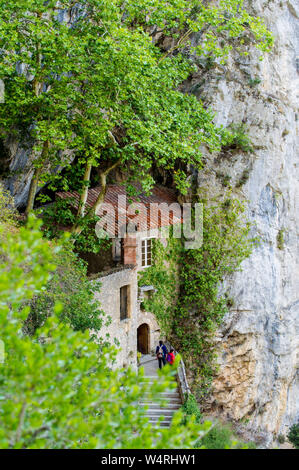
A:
(143, 339)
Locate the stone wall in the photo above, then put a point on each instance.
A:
(154, 329)
(123, 331)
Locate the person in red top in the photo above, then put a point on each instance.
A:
(170, 357)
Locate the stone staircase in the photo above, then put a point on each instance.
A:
(154, 409)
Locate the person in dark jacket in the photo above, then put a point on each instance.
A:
(161, 352)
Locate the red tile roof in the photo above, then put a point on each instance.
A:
(145, 219)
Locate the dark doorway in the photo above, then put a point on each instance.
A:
(143, 339)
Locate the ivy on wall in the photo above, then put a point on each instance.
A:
(187, 302)
(164, 276)
(226, 243)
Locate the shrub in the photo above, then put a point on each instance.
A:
(191, 408)
(224, 178)
(7, 209)
(281, 439)
(280, 239)
(236, 138)
(219, 437)
(244, 178)
(56, 390)
(69, 286)
(252, 82)
(293, 435)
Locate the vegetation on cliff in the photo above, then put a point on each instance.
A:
(293, 435)
(191, 317)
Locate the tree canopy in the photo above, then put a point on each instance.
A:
(103, 78)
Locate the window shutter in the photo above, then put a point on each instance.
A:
(123, 302)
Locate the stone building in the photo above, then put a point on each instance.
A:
(132, 228)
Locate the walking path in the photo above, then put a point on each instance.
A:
(150, 365)
(158, 415)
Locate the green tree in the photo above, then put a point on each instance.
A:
(56, 390)
(69, 286)
(293, 435)
(38, 54)
(107, 86)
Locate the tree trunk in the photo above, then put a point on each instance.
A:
(35, 179)
(77, 228)
(34, 182)
(32, 192)
(83, 198)
(102, 194)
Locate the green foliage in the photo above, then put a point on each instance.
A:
(60, 215)
(7, 209)
(187, 302)
(56, 217)
(138, 357)
(281, 438)
(280, 239)
(252, 82)
(244, 178)
(191, 408)
(56, 390)
(200, 308)
(236, 138)
(70, 287)
(164, 275)
(68, 180)
(219, 437)
(225, 179)
(36, 50)
(26, 263)
(128, 109)
(293, 435)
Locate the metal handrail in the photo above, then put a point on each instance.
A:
(182, 377)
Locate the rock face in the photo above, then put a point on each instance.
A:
(258, 380)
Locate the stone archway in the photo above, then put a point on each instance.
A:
(143, 339)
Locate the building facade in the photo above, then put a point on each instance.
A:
(132, 229)
(131, 329)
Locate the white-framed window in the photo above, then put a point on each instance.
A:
(146, 252)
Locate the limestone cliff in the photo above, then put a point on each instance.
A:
(259, 343)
